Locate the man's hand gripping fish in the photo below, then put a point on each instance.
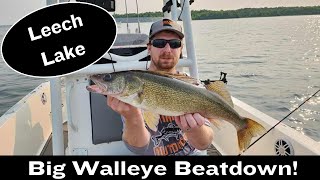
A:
(166, 94)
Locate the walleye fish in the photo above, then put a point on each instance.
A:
(172, 95)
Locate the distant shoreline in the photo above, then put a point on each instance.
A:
(223, 14)
(239, 13)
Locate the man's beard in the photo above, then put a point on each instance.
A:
(164, 64)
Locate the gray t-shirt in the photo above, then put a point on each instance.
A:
(168, 140)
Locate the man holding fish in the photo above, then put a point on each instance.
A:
(164, 112)
(172, 135)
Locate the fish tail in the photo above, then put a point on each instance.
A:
(249, 131)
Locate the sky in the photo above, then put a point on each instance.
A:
(12, 11)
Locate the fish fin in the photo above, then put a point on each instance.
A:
(220, 88)
(151, 119)
(216, 122)
(245, 134)
(182, 77)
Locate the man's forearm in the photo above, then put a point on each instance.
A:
(200, 138)
(135, 133)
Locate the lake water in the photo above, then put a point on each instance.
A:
(273, 64)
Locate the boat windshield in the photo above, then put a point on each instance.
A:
(132, 29)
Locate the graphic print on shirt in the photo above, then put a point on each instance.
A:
(169, 139)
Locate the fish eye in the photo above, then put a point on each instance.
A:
(107, 77)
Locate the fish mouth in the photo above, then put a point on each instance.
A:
(100, 87)
(97, 78)
(94, 89)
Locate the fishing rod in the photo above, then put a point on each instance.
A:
(281, 121)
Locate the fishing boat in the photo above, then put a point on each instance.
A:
(60, 117)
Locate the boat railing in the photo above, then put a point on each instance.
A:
(78, 99)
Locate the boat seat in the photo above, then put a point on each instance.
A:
(106, 123)
(131, 39)
(127, 45)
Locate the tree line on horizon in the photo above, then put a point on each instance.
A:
(239, 13)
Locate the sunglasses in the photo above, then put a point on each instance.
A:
(161, 43)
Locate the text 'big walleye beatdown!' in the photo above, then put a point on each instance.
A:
(144, 171)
